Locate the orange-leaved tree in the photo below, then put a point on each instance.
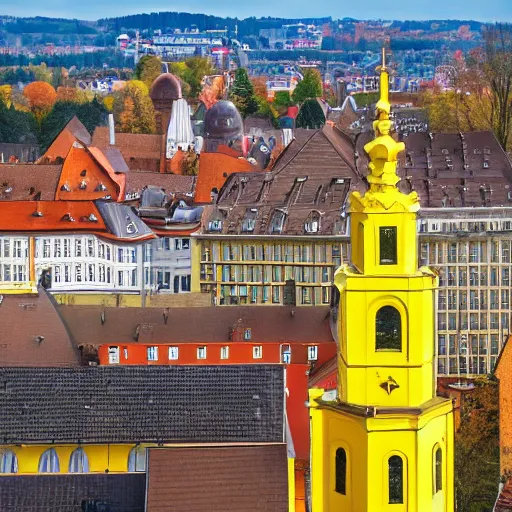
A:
(41, 97)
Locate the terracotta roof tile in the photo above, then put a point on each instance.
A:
(214, 168)
(20, 216)
(24, 319)
(266, 324)
(171, 183)
(200, 478)
(132, 146)
(22, 182)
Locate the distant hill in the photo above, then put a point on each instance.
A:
(183, 20)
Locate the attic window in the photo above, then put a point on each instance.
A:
(486, 164)
(277, 224)
(249, 222)
(215, 226)
(100, 188)
(67, 217)
(82, 185)
(65, 188)
(301, 180)
(312, 224)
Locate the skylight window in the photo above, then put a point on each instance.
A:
(277, 224)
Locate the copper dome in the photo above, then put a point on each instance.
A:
(165, 87)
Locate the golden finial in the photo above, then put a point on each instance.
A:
(383, 150)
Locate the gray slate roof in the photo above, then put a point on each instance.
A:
(142, 404)
(65, 493)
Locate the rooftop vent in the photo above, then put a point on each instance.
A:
(65, 188)
(67, 217)
(82, 185)
(8, 190)
(37, 213)
(92, 218)
(100, 188)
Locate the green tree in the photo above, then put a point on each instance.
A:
(242, 93)
(148, 69)
(309, 87)
(192, 72)
(91, 114)
(17, 126)
(310, 115)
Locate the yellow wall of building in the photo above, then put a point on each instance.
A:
(111, 457)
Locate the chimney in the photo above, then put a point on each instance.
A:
(111, 129)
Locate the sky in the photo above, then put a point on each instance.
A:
(488, 10)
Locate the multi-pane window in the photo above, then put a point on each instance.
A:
(152, 353)
(388, 245)
(8, 462)
(438, 471)
(137, 459)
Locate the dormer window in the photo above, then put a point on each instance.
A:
(486, 164)
(82, 185)
(215, 226)
(100, 188)
(312, 224)
(277, 223)
(249, 222)
(388, 245)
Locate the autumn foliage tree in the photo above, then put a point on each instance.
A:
(133, 109)
(477, 470)
(41, 97)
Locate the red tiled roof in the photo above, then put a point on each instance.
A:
(504, 503)
(132, 145)
(89, 165)
(267, 324)
(20, 216)
(210, 478)
(214, 168)
(24, 319)
(21, 182)
(171, 183)
(72, 132)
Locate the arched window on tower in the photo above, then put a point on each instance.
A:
(438, 469)
(388, 329)
(341, 471)
(396, 479)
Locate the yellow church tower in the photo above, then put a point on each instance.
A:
(386, 442)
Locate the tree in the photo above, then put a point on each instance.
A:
(41, 97)
(5, 94)
(310, 115)
(71, 94)
(477, 470)
(242, 93)
(133, 109)
(148, 69)
(16, 126)
(497, 69)
(91, 114)
(309, 87)
(192, 73)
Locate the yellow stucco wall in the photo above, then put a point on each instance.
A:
(112, 457)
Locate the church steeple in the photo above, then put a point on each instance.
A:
(386, 443)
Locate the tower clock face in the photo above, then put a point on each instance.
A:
(334, 313)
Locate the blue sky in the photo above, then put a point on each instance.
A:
(488, 10)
